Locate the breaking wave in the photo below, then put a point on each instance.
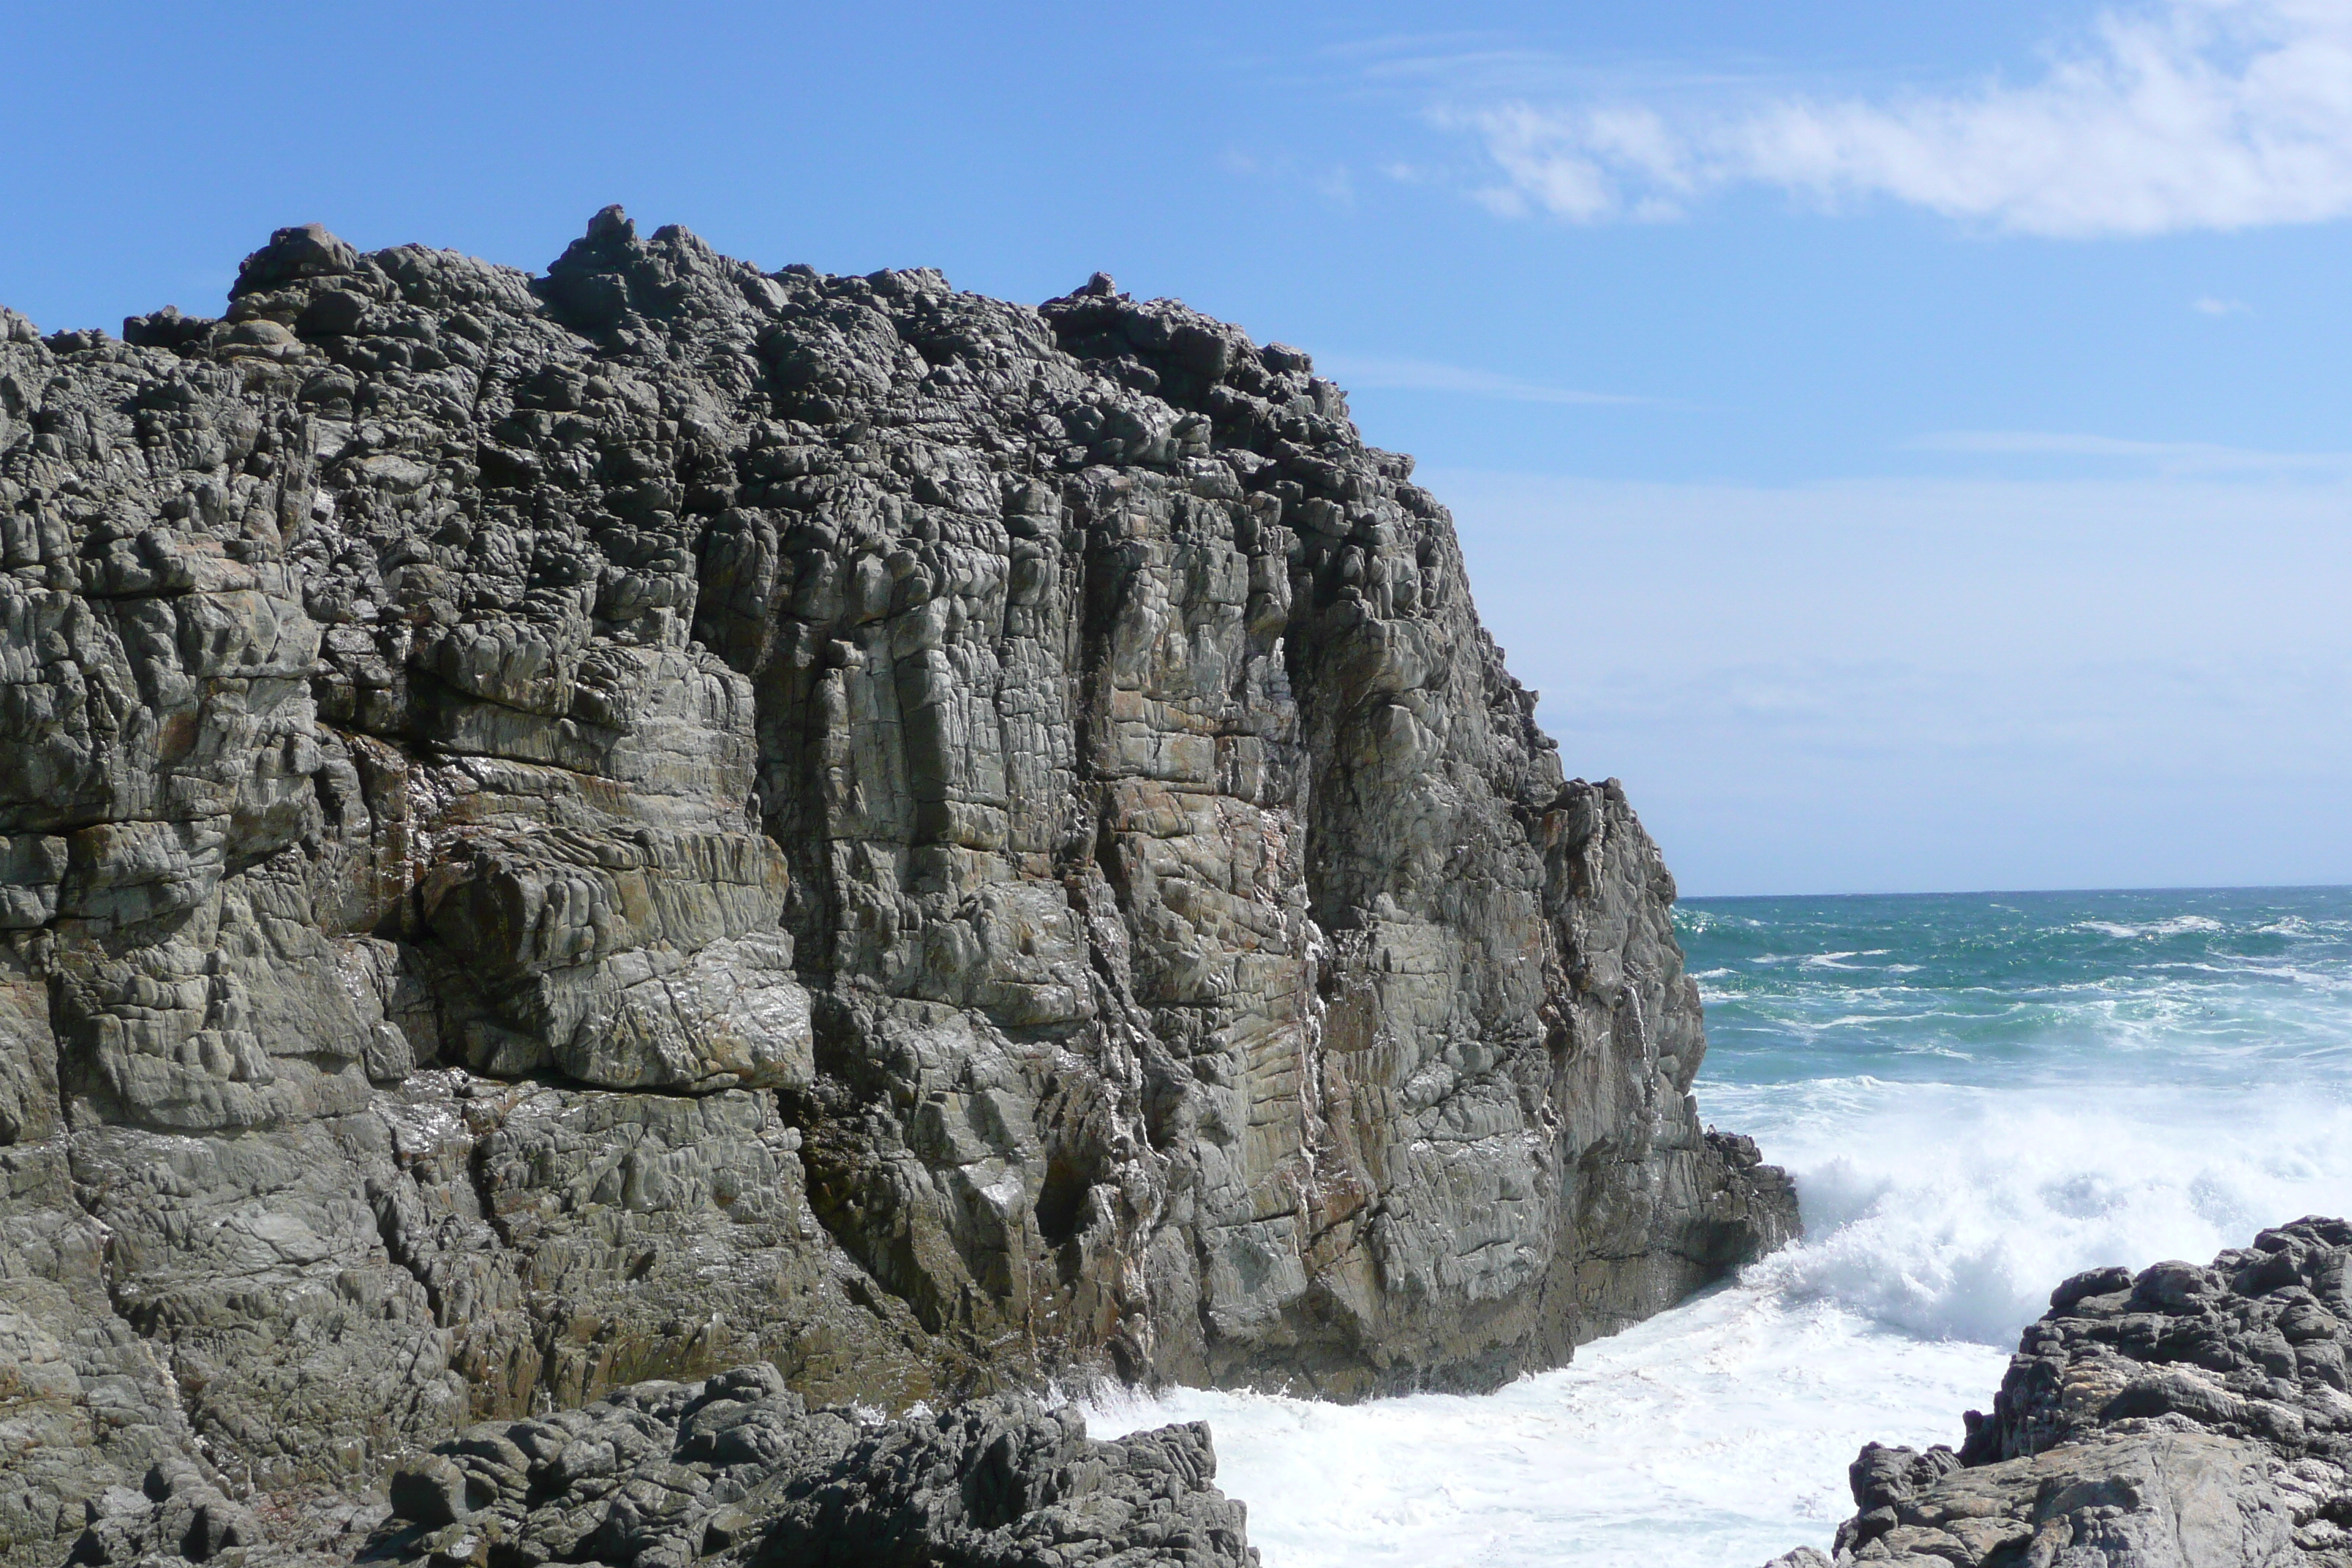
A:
(1978, 1097)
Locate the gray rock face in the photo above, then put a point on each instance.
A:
(2185, 1417)
(561, 831)
(737, 1469)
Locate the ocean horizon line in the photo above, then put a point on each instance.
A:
(2022, 892)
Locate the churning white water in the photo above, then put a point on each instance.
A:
(1978, 1097)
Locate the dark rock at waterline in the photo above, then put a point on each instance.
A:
(2185, 1416)
(736, 1470)
(561, 831)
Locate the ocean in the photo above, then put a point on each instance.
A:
(1979, 1094)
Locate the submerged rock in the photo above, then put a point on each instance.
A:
(2182, 1417)
(558, 831)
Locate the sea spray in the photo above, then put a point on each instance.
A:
(1978, 1096)
(1717, 1434)
(1950, 1210)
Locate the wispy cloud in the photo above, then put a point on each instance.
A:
(1332, 181)
(1426, 375)
(2170, 456)
(2211, 306)
(2171, 115)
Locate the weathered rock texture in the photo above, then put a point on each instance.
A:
(735, 1470)
(2186, 1417)
(561, 831)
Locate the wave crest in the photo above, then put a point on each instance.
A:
(1950, 1212)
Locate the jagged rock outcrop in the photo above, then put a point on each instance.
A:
(737, 1469)
(558, 831)
(2184, 1418)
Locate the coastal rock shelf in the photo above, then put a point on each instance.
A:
(2183, 1417)
(737, 1469)
(733, 1470)
(560, 831)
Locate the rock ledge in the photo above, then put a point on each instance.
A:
(2185, 1416)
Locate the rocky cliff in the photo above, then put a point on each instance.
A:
(2182, 1417)
(563, 830)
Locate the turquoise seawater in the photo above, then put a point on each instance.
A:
(1977, 1094)
(2063, 989)
(1981, 1093)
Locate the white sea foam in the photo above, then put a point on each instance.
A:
(2071, 1090)
(1837, 960)
(1715, 1435)
(2178, 925)
(1951, 1210)
(1718, 1434)
(2292, 925)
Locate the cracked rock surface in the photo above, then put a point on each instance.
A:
(558, 831)
(2185, 1416)
(739, 1470)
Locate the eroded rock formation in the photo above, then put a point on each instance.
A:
(734, 1470)
(2182, 1417)
(558, 831)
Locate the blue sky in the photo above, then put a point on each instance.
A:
(1908, 445)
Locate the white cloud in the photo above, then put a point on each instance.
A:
(1424, 375)
(2183, 114)
(2211, 306)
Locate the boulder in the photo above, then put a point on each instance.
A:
(2182, 1417)
(738, 1470)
